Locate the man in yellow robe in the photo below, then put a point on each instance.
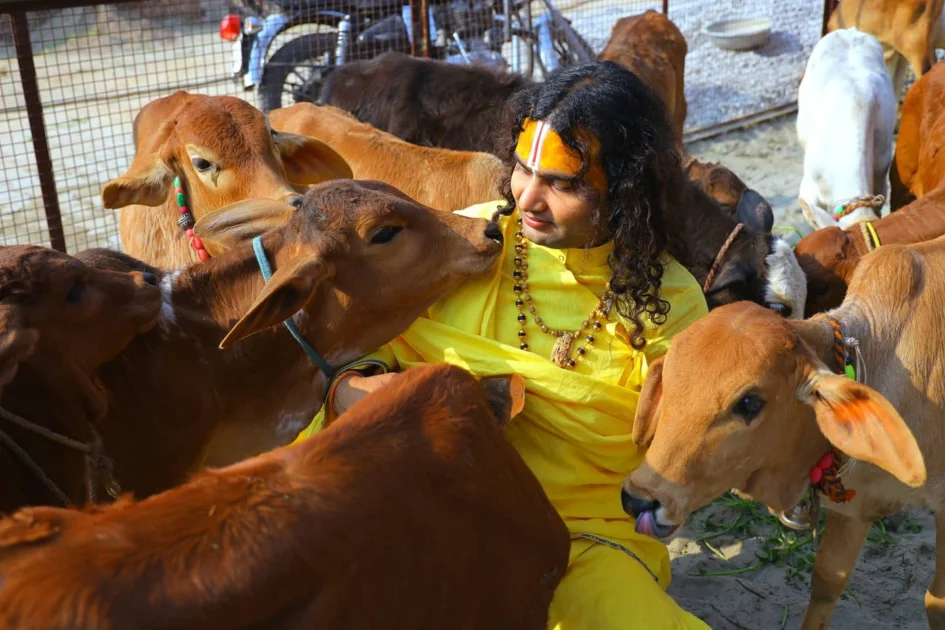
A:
(584, 299)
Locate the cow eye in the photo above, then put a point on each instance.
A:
(385, 235)
(749, 407)
(76, 291)
(201, 164)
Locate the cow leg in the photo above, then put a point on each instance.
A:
(836, 555)
(935, 596)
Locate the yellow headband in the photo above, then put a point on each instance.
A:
(540, 148)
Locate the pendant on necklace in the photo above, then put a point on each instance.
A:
(562, 349)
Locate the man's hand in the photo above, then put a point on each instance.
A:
(354, 387)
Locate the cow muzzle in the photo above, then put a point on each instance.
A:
(650, 515)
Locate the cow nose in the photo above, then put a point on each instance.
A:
(494, 232)
(150, 278)
(635, 506)
(296, 201)
(781, 309)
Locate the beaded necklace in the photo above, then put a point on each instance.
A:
(186, 222)
(564, 342)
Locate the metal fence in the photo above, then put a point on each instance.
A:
(74, 75)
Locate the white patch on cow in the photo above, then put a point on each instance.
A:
(786, 281)
(168, 317)
(845, 118)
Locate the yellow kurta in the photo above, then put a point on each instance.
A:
(575, 429)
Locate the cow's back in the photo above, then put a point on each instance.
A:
(426, 102)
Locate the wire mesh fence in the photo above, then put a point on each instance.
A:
(97, 65)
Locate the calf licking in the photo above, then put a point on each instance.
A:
(353, 267)
(778, 404)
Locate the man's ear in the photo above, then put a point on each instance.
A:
(648, 405)
(506, 396)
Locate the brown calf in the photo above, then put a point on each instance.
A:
(223, 151)
(429, 102)
(439, 178)
(654, 49)
(774, 407)
(410, 511)
(60, 320)
(910, 27)
(354, 267)
(919, 166)
(730, 193)
(830, 256)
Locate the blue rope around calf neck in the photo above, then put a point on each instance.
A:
(315, 358)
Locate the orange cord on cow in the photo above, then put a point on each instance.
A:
(825, 475)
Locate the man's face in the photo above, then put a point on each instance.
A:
(555, 212)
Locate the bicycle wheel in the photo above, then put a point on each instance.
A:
(296, 72)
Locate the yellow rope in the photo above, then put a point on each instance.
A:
(870, 235)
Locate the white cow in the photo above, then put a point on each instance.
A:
(845, 120)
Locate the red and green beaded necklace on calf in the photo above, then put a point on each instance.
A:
(561, 353)
(186, 222)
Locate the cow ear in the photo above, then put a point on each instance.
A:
(287, 291)
(861, 423)
(648, 405)
(240, 222)
(308, 161)
(147, 182)
(506, 396)
(816, 218)
(755, 212)
(16, 344)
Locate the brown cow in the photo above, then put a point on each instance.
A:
(830, 256)
(654, 49)
(907, 27)
(731, 194)
(439, 178)
(429, 102)
(919, 166)
(356, 259)
(60, 320)
(774, 408)
(410, 511)
(223, 151)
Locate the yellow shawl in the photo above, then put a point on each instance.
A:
(575, 429)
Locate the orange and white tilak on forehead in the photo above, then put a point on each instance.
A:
(542, 151)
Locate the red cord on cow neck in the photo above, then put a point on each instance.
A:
(825, 475)
(186, 222)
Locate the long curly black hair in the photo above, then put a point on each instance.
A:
(639, 154)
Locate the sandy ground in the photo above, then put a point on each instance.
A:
(764, 580)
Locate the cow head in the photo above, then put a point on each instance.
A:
(360, 258)
(223, 150)
(50, 302)
(742, 400)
